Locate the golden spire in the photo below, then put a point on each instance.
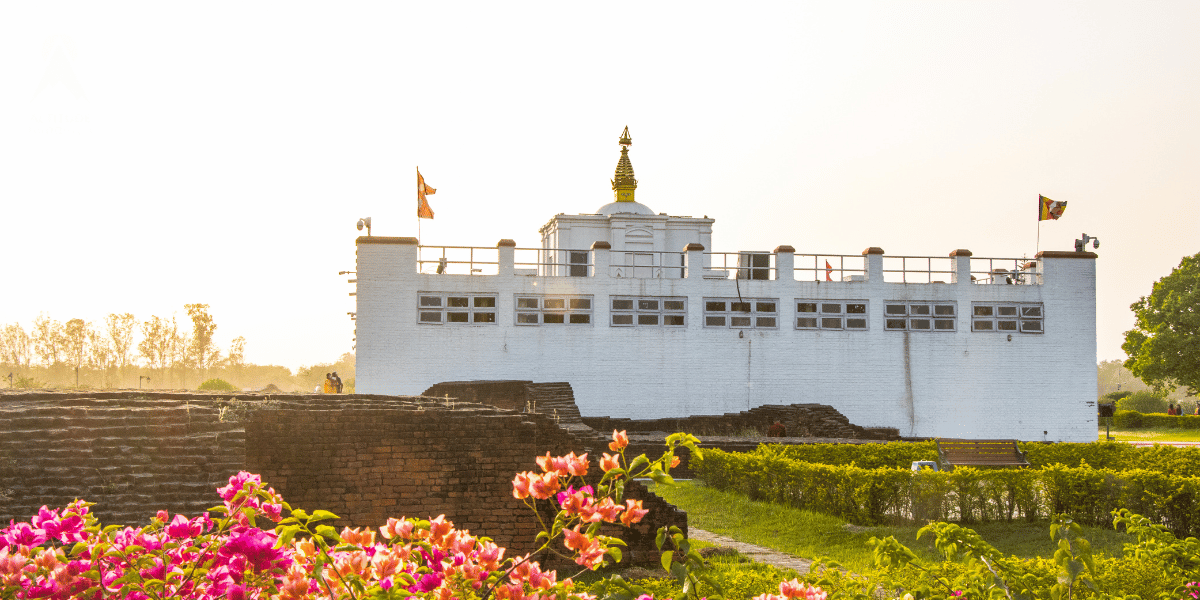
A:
(623, 183)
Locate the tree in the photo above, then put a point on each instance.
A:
(158, 339)
(120, 334)
(47, 339)
(75, 346)
(1164, 345)
(201, 351)
(15, 345)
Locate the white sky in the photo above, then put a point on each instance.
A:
(157, 154)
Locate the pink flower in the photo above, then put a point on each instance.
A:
(577, 465)
(257, 546)
(397, 529)
(236, 483)
(180, 527)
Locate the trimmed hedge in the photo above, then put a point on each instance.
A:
(1117, 456)
(1128, 419)
(873, 496)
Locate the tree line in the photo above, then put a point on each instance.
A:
(123, 351)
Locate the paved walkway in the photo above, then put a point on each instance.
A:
(756, 553)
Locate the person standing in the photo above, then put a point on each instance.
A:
(327, 387)
(337, 383)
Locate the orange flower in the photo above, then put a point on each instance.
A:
(575, 540)
(575, 503)
(358, 537)
(553, 464)
(521, 484)
(674, 461)
(544, 486)
(438, 528)
(620, 441)
(609, 462)
(607, 511)
(397, 528)
(633, 512)
(490, 555)
(577, 465)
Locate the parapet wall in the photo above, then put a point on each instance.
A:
(799, 420)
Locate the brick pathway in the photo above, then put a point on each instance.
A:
(756, 553)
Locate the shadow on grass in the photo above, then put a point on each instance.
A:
(812, 535)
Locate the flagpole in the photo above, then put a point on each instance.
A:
(418, 220)
(1038, 247)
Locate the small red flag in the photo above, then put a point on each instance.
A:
(423, 210)
(828, 271)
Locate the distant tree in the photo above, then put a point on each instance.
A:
(100, 354)
(75, 338)
(1164, 345)
(47, 339)
(201, 351)
(159, 338)
(120, 335)
(217, 385)
(15, 345)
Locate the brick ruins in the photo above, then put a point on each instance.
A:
(451, 451)
(363, 457)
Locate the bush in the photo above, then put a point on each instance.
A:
(1143, 402)
(217, 385)
(1113, 397)
(1068, 486)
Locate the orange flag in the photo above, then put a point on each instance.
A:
(423, 210)
(1049, 209)
(828, 272)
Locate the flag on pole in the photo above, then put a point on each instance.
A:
(828, 271)
(1049, 209)
(423, 210)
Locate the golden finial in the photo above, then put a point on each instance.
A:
(623, 183)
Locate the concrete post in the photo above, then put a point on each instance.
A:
(874, 256)
(601, 259)
(505, 257)
(961, 267)
(695, 260)
(785, 263)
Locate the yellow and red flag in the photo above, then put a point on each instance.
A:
(423, 210)
(1049, 209)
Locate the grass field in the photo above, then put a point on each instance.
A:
(812, 535)
(1154, 435)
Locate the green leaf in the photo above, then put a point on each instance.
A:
(666, 559)
(323, 515)
(300, 514)
(639, 463)
(615, 553)
(286, 534)
(661, 538)
(679, 572)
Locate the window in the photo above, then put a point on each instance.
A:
(831, 314)
(435, 308)
(578, 263)
(554, 310)
(747, 313)
(1007, 317)
(919, 316)
(643, 311)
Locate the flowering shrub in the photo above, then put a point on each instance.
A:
(224, 553)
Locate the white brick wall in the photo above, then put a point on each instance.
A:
(959, 384)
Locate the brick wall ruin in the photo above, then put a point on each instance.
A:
(363, 457)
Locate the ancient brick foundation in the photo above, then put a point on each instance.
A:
(363, 457)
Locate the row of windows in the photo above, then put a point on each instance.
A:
(747, 313)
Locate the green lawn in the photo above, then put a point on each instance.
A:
(812, 535)
(1154, 435)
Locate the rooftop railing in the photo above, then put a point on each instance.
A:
(751, 265)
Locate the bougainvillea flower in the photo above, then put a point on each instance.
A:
(620, 441)
(24, 534)
(180, 527)
(543, 486)
(258, 548)
(577, 465)
(237, 483)
(357, 536)
(609, 462)
(521, 484)
(438, 528)
(397, 528)
(674, 461)
(633, 512)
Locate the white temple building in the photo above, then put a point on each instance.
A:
(644, 320)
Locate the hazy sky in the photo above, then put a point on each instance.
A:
(157, 154)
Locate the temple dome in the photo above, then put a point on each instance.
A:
(636, 208)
